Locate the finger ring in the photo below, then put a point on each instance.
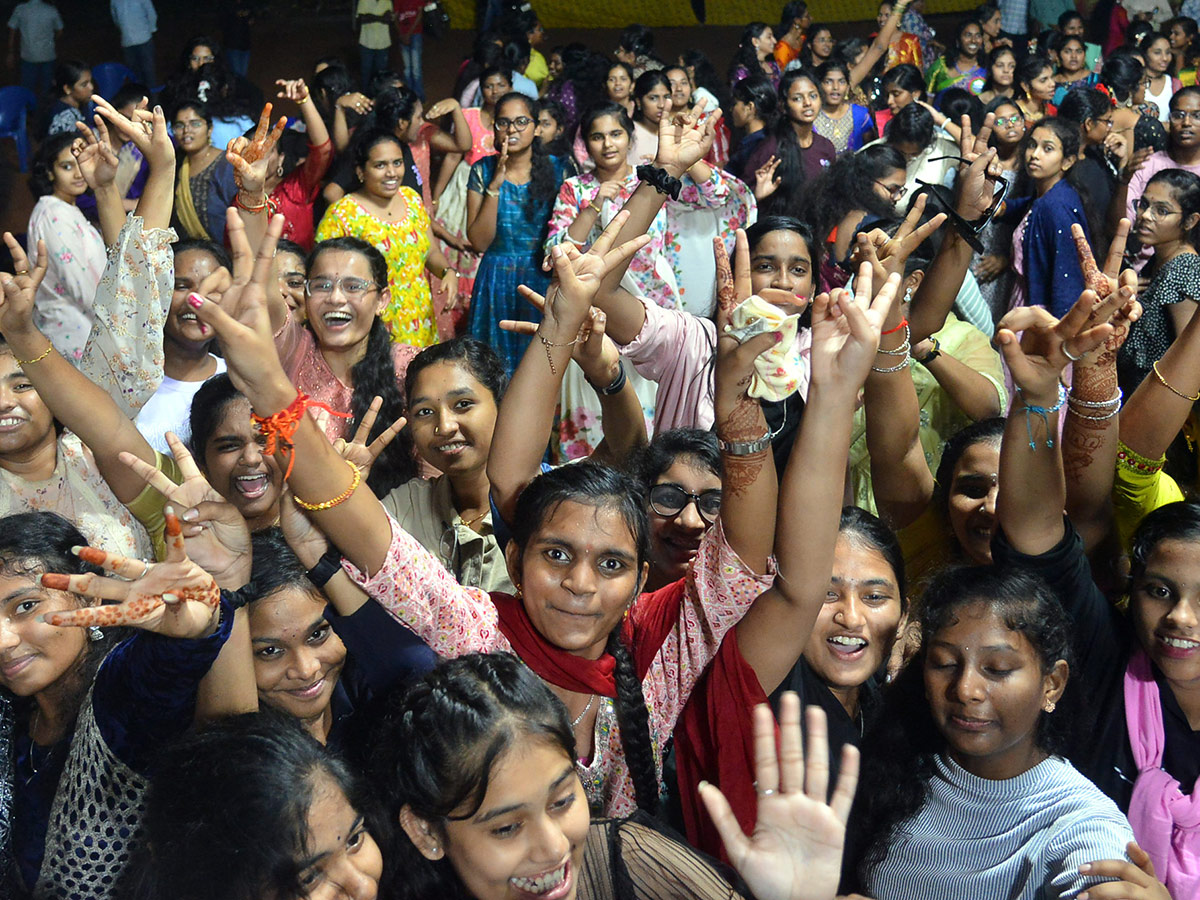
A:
(1067, 353)
(767, 792)
(23, 272)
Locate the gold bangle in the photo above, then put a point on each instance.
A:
(1175, 391)
(340, 498)
(302, 100)
(598, 210)
(30, 362)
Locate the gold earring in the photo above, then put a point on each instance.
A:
(1050, 706)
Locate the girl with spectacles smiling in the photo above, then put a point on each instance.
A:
(992, 267)
(1168, 222)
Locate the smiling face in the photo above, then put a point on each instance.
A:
(191, 132)
(1178, 37)
(297, 656)
(619, 84)
(451, 416)
(289, 268)
(26, 425)
(343, 299)
(1042, 87)
(343, 862)
(782, 260)
(970, 41)
(182, 326)
(493, 88)
(674, 539)
(856, 626)
(578, 575)
(987, 691)
(1158, 57)
(1165, 604)
(526, 840)
(655, 104)
(515, 124)
(34, 655)
(554, 65)
(1010, 125)
(681, 88)
(1044, 159)
(383, 171)
(607, 142)
(238, 469)
(66, 178)
(972, 499)
(803, 101)
(764, 44)
(833, 88)
(1072, 57)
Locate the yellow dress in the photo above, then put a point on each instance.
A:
(404, 244)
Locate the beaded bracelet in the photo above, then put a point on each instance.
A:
(896, 368)
(1098, 404)
(340, 498)
(1044, 412)
(1103, 418)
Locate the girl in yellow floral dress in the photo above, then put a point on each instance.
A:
(391, 217)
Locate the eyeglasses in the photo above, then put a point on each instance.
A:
(1006, 121)
(202, 60)
(351, 287)
(1183, 115)
(190, 125)
(669, 500)
(1157, 211)
(896, 192)
(520, 123)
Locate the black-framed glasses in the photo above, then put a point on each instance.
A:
(969, 231)
(669, 500)
(1156, 211)
(896, 192)
(520, 123)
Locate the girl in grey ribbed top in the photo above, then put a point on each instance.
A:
(963, 794)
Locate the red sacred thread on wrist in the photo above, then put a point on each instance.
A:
(903, 324)
(280, 428)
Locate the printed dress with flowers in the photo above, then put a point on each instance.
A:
(651, 275)
(404, 244)
(455, 620)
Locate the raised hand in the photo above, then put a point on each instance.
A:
(685, 138)
(20, 289)
(1111, 278)
(215, 534)
(889, 254)
(1135, 880)
(293, 89)
(1047, 344)
(147, 130)
(846, 329)
(501, 168)
(795, 852)
(95, 156)
(175, 598)
(250, 157)
(441, 108)
(765, 181)
(358, 451)
(360, 103)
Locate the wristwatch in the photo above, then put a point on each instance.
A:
(934, 352)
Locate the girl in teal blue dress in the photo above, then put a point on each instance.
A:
(509, 199)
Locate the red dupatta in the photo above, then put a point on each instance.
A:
(652, 617)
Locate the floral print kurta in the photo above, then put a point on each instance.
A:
(75, 251)
(455, 620)
(405, 244)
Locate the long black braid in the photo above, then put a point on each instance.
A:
(634, 721)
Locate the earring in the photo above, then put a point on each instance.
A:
(908, 292)
(1050, 705)
(279, 171)
(95, 634)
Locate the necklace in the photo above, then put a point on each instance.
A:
(579, 718)
(476, 519)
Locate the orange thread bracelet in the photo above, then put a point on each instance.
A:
(903, 324)
(279, 428)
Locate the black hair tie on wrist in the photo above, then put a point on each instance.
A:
(327, 566)
(660, 180)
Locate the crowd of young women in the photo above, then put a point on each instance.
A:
(466, 499)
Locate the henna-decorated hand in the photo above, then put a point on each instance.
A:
(20, 291)
(175, 598)
(685, 138)
(1105, 281)
(358, 451)
(846, 329)
(739, 417)
(1037, 360)
(795, 852)
(215, 534)
(1120, 311)
(250, 158)
(94, 155)
(1135, 880)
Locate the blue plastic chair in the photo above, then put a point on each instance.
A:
(15, 105)
(110, 77)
